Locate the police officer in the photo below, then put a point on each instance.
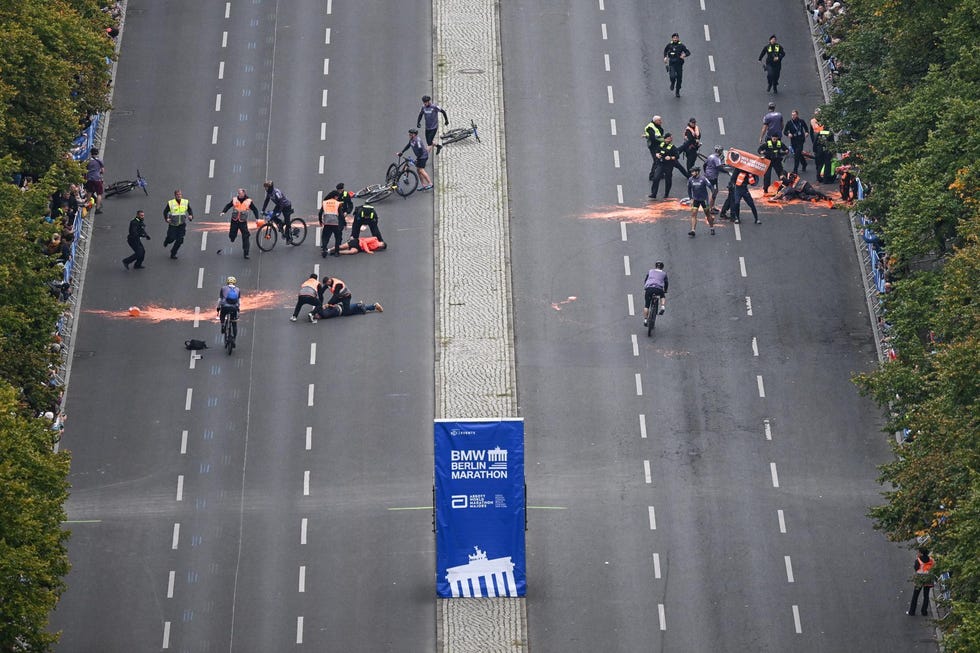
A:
(774, 150)
(774, 54)
(333, 219)
(797, 130)
(740, 184)
(177, 213)
(666, 162)
(365, 215)
(137, 231)
(822, 155)
(654, 133)
(674, 54)
(240, 205)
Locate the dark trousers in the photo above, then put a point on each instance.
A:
(676, 74)
(775, 165)
(742, 193)
(335, 230)
(692, 156)
(139, 252)
(175, 235)
(665, 171)
(772, 76)
(240, 226)
(823, 157)
(925, 600)
(304, 300)
(370, 224)
(798, 159)
(654, 148)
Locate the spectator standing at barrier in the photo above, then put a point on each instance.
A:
(240, 205)
(772, 123)
(654, 133)
(712, 168)
(667, 161)
(797, 130)
(431, 113)
(774, 150)
(741, 183)
(94, 171)
(674, 54)
(692, 143)
(774, 54)
(923, 581)
(137, 232)
(176, 214)
(699, 189)
(822, 155)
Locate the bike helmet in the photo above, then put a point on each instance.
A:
(659, 265)
(719, 149)
(427, 98)
(231, 281)
(268, 184)
(413, 130)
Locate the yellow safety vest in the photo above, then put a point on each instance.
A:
(178, 211)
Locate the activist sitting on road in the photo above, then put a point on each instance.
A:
(335, 310)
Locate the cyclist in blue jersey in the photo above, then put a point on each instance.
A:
(431, 113)
(229, 301)
(655, 285)
(421, 157)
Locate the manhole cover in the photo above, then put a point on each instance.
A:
(472, 71)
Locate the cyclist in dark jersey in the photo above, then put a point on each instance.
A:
(655, 285)
(280, 205)
(430, 112)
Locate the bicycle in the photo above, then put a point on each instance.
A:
(942, 596)
(267, 234)
(400, 174)
(229, 327)
(653, 309)
(126, 185)
(375, 192)
(460, 133)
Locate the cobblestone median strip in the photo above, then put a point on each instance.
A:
(475, 366)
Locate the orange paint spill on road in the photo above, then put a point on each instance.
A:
(652, 212)
(557, 305)
(257, 301)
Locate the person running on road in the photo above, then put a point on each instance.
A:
(229, 301)
(240, 205)
(280, 206)
(674, 54)
(774, 54)
(357, 308)
(421, 157)
(309, 295)
(655, 285)
(333, 219)
(137, 232)
(713, 166)
(699, 190)
(177, 213)
(431, 113)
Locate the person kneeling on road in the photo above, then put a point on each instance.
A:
(309, 295)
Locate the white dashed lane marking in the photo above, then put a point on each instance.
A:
(309, 396)
(711, 63)
(639, 385)
(796, 619)
(622, 231)
(767, 428)
(643, 425)
(652, 513)
(782, 521)
(707, 33)
(309, 438)
(636, 344)
(326, 37)
(170, 584)
(762, 388)
(187, 400)
(166, 634)
(217, 102)
(789, 569)
(656, 565)
(183, 442)
(755, 346)
(180, 487)
(626, 265)
(775, 476)
(306, 483)
(612, 126)
(721, 125)
(741, 266)
(605, 58)
(609, 94)
(615, 158)
(299, 630)
(605, 34)
(176, 536)
(302, 530)
(629, 302)
(646, 472)
(302, 578)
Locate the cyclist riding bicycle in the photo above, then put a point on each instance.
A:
(280, 205)
(655, 285)
(229, 302)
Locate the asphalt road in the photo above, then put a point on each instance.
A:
(704, 490)
(261, 501)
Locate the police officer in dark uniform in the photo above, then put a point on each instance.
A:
(137, 232)
(797, 130)
(674, 54)
(365, 215)
(666, 162)
(775, 150)
(654, 133)
(774, 54)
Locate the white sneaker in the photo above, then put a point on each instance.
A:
(312, 317)
(292, 318)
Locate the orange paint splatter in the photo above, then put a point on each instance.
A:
(655, 210)
(557, 305)
(251, 301)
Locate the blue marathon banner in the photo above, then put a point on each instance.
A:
(479, 508)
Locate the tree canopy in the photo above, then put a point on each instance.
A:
(908, 108)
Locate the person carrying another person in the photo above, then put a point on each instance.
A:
(309, 295)
(333, 219)
(240, 205)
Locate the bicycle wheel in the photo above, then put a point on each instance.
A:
(455, 135)
(119, 188)
(392, 173)
(297, 231)
(652, 319)
(368, 190)
(266, 236)
(407, 182)
(226, 325)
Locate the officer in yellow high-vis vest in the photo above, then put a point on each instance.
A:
(177, 213)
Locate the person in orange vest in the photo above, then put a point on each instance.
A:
(240, 205)
(339, 293)
(923, 581)
(741, 183)
(368, 245)
(333, 219)
(309, 295)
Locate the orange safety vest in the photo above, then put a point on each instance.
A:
(239, 208)
(331, 210)
(744, 179)
(925, 567)
(339, 283)
(309, 288)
